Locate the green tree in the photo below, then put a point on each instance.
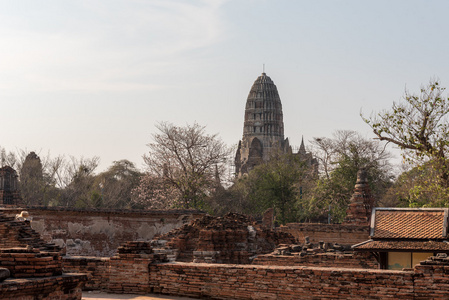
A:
(418, 125)
(340, 158)
(79, 180)
(417, 187)
(277, 183)
(114, 186)
(32, 183)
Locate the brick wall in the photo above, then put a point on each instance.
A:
(23, 263)
(330, 233)
(276, 282)
(101, 232)
(96, 267)
(131, 274)
(363, 260)
(123, 279)
(63, 287)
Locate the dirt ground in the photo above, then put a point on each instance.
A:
(106, 296)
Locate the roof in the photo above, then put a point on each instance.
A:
(424, 246)
(406, 223)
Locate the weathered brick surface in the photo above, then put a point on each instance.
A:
(331, 233)
(100, 232)
(96, 267)
(224, 281)
(363, 260)
(15, 233)
(234, 238)
(128, 270)
(24, 263)
(275, 282)
(62, 287)
(34, 267)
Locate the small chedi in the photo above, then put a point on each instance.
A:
(31, 268)
(362, 201)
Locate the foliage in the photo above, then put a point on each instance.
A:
(32, 183)
(115, 184)
(153, 192)
(72, 182)
(277, 183)
(418, 125)
(188, 159)
(78, 192)
(418, 187)
(340, 158)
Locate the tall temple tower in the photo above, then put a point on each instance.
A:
(263, 129)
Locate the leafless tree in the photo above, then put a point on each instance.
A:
(187, 158)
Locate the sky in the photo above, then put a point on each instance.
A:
(89, 78)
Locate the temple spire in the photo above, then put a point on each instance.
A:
(302, 148)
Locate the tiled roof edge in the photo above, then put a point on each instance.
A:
(360, 244)
(412, 209)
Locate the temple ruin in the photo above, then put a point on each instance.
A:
(230, 257)
(263, 128)
(9, 187)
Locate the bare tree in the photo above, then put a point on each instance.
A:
(188, 159)
(77, 178)
(348, 144)
(7, 159)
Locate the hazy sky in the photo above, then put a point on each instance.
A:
(92, 78)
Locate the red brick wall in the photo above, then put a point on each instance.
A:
(30, 264)
(222, 281)
(63, 287)
(96, 267)
(275, 282)
(330, 233)
(128, 276)
(331, 260)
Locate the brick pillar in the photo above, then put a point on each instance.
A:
(128, 270)
(432, 278)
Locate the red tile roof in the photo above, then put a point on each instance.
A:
(403, 245)
(409, 224)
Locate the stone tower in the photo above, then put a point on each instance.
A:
(9, 187)
(263, 130)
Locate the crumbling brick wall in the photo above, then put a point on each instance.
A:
(274, 282)
(96, 267)
(31, 268)
(332, 260)
(64, 287)
(234, 238)
(332, 233)
(128, 269)
(139, 273)
(101, 232)
(28, 263)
